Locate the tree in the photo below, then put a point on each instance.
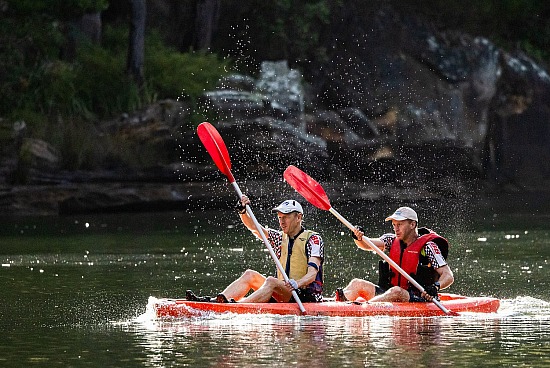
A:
(208, 14)
(136, 47)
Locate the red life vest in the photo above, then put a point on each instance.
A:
(409, 258)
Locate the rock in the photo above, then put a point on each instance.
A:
(264, 147)
(359, 122)
(36, 157)
(282, 86)
(233, 104)
(237, 82)
(11, 139)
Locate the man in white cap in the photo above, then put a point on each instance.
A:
(300, 252)
(420, 252)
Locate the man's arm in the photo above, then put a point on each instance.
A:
(247, 220)
(446, 277)
(363, 244)
(311, 274)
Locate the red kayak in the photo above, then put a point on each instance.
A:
(178, 308)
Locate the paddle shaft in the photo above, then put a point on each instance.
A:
(268, 246)
(388, 259)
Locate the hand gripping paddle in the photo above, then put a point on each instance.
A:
(314, 193)
(215, 146)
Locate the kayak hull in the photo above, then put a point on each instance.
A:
(181, 308)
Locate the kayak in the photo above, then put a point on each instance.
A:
(182, 308)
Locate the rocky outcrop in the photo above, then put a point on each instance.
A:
(438, 89)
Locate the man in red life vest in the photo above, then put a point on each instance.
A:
(420, 252)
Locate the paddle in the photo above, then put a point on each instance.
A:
(215, 146)
(314, 193)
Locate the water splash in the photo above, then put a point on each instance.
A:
(525, 306)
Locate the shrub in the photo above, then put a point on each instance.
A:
(171, 73)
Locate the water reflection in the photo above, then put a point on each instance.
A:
(231, 340)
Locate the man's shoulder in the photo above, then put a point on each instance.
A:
(312, 232)
(273, 232)
(315, 237)
(387, 236)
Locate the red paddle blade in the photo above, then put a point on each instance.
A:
(215, 146)
(307, 187)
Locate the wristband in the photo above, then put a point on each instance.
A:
(240, 208)
(314, 265)
(353, 234)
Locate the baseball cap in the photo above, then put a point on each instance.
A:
(288, 206)
(403, 213)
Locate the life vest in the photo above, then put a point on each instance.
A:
(298, 256)
(409, 258)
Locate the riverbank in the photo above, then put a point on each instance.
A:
(112, 197)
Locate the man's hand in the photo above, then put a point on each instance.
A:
(357, 233)
(292, 284)
(240, 207)
(431, 291)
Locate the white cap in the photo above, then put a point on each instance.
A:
(403, 213)
(288, 206)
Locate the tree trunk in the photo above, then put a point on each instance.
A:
(208, 14)
(90, 25)
(87, 27)
(136, 47)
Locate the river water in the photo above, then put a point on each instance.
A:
(75, 290)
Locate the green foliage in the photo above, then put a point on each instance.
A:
(278, 29)
(171, 73)
(27, 44)
(96, 83)
(55, 90)
(58, 99)
(104, 87)
(108, 90)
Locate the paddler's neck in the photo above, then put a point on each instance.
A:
(296, 232)
(412, 238)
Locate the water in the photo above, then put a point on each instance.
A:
(75, 289)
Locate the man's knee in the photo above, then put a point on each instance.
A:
(358, 284)
(250, 274)
(397, 293)
(271, 282)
